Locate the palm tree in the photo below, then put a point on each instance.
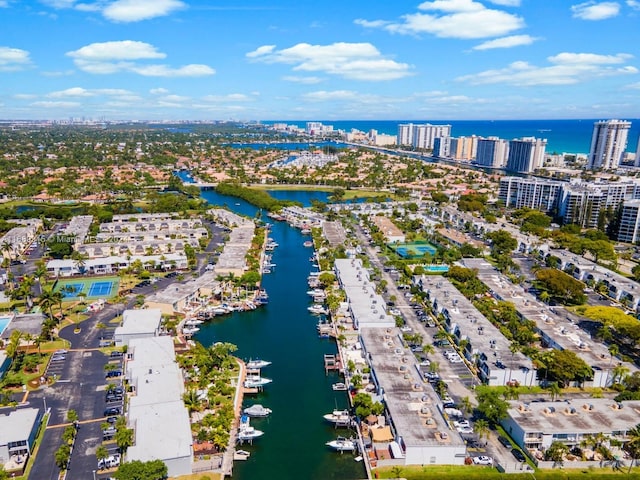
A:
(481, 427)
(614, 350)
(619, 373)
(47, 301)
(633, 445)
(467, 406)
(191, 400)
(102, 452)
(554, 390)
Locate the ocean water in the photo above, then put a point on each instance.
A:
(570, 136)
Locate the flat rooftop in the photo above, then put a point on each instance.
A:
(142, 321)
(583, 416)
(176, 292)
(482, 334)
(30, 323)
(367, 307)
(17, 424)
(414, 406)
(162, 431)
(566, 334)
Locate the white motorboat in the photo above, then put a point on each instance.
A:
(342, 444)
(338, 417)
(241, 455)
(257, 364)
(257, 410)
(256, 381)
(190, 330)
(317, 310)
(339, 386)
(316, 292)
(246, 432)
(308, 243)
(192, 322)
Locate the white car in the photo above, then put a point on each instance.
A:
(462, 423)
(483, 460)
(465, 429)
(406, 329)
(453, 359)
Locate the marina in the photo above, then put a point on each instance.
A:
(285, 333)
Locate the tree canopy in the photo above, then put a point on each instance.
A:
(137, 470)
(560, 286)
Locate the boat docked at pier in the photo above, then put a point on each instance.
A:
(256, 381)
(308, 243)
(318, 310)
(257, 410)
(342, 444)
(339, 417)
(257, 364)
(339, 386)
(247, 433)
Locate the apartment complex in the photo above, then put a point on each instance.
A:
(526, 154)
(576, 202)
(421, 135)
(608, 144)
(492, 152)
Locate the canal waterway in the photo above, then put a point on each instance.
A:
(293, 444)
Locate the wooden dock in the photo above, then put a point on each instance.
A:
(332, 363)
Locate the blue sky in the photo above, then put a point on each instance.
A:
(286, 59)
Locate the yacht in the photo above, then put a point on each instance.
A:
(342, 444)
(339, 386)
(192, 322)
(190, 330)
(246, 432)
(257, 410)
(308, 243)
(257, 364)
(317, 309)
(241, 455)
(256, 381)
(338, 417)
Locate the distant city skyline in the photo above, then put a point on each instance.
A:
(218, 60)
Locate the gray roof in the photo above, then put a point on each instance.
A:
(27, 323)
(17, 425)
(144, 321)
(582, 416)
(367, 307)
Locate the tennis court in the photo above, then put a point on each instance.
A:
(90, 288)
(414, 250)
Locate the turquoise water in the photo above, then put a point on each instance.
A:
(4, 322)
(293, 444)
(437, 268)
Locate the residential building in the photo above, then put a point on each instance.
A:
(366, 307)
(442, 147)
(184, 297)
(535, 426)
(156, 413)
(18, 431)
(492, 152)
(526, 154)
(581, 204)
(608, 144)
(138, 324)
(629, 230)
(16, 240)
(77, 229)
(112, 264)
(482, 343)
(425, 135)
(537, 193)
(463, 148)
(391, 232)
(405, 134)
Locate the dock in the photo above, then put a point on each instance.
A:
(332, 363)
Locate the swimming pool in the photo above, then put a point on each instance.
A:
(436, 268)
(4, 323)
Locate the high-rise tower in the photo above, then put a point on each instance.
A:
(608, 144)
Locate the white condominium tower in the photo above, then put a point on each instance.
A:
(608, 144)
(421, 135)
(526, 154)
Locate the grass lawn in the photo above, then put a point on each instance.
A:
(200, 476)
(471, 472)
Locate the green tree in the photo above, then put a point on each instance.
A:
(481, 427)
(556, 452)
(502, 243)
(561, 286)
(62, 456)
(491, 406)
(101, 452)
(137, 470)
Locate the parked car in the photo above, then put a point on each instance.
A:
(483, 460)
(113, 373)
(504, 441)
(112, 411)
(518, 454)
(115, 354)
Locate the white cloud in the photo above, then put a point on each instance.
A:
(13, 59)
(327, 96)
(633, 86)
(136, 10)
(302, 80)
(193, 70)
(465, 19)
(56, 104)
(158, 91)
(595, 10)
(506, 42)
(355, 61)
(232, 97)
(83, 92)
(4, 3)
(24, 96)
(58, 73)
(506, 3)
(565, 69)
(118, 50)
(118, 56)
(122, 10)
(635, 4)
